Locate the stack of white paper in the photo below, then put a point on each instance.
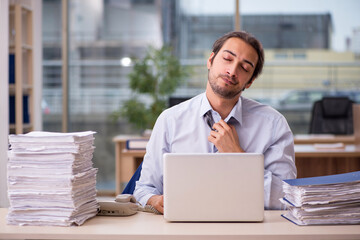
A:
(333, 199)
(51, 180)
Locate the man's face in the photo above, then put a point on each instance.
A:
(232, 68)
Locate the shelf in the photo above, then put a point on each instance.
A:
(23, 7)
(26, 89)
(25, 126)
(21, 75)
(133, 153)
(26, 47)
(26, 8)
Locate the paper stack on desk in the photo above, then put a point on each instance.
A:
(333, 199)
(51, 180)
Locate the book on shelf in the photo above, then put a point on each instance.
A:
(11, 68)
(12, 109)
(136, 144)
(332, 199)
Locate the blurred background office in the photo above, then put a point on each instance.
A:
(312, 49)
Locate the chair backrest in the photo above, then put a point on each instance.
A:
(176, 100)
(130, 187)
(332, 115)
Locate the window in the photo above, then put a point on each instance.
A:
(305, 57)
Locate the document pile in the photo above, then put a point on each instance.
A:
(51, 180)
(333, 199)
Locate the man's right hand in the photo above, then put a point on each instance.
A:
(157, 201)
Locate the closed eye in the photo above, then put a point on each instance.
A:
(227, 59)
(245, 69)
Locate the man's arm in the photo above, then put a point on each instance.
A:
(150, 182)
(279, 164)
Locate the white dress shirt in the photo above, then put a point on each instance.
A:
(183, 129)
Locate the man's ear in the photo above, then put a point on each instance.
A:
(209, 60)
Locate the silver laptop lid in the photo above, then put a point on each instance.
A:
(213, 187)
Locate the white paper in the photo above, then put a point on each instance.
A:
(332, 203)
(51, 179)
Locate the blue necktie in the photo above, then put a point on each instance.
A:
(210, 121)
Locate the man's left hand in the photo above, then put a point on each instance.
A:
(225, 137)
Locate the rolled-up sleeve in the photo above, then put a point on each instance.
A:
(151, 178)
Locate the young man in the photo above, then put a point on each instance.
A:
(221, 120)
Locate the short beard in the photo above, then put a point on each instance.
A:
(224, 93)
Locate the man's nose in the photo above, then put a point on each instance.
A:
(231, 71)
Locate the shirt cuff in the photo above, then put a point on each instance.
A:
(143, 200)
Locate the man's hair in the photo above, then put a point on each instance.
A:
(249, 39)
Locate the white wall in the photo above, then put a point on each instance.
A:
(4, 99)
(37, 50)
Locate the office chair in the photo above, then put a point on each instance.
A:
(332, 115)
(130, 187)
(176, 100)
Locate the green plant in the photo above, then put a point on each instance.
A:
(156, 76)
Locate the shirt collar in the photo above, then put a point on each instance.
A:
(204, 105)
(235, 113)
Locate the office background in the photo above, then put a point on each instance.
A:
(309, 51)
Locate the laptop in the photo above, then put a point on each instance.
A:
(213, 187)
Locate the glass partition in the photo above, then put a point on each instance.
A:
(311, 50)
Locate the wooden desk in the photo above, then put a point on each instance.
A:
(310, 162)
(308, 150)
(323, 138)
(150, 226)
(126, 161)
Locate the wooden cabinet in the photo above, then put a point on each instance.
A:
(21, 69)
